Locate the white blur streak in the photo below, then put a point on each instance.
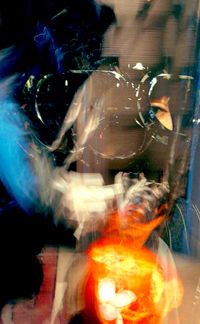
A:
(184, 225)
(140, 191)
(85, 202)
(91, 110)
(81, 199)
(69, 120)
(117, 73)
(166, 260)
(92, 123)
(197, 211)
(75, 277)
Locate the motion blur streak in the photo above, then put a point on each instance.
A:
(15, 169)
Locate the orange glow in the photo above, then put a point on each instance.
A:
(128, 282)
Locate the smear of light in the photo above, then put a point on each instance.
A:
(106, 289)
(196, 304)
(170, 237)
(59, 14)
(85, 196)
(184, 224)
(116, 74)
(139, 66)
(15, 169)
(152, 84)
(38, 113)
(197, 211)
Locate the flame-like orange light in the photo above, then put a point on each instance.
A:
(128, 282)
